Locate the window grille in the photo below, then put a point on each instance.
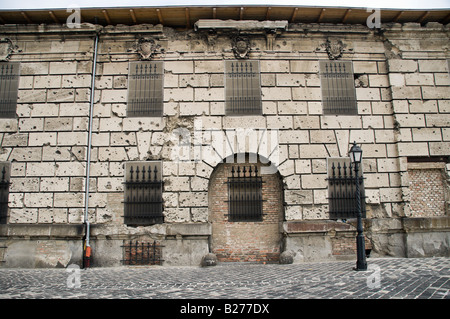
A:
(245, 195)
(338, 88)
(9, 84)
(242, 88)
(143, 193)
(145, 89)
(4, 191)
(142, 253)
(342, 189)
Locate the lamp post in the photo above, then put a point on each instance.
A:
(355, 154)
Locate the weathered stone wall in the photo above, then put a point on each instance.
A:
(402, 88)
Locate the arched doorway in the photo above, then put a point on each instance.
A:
(246, 212)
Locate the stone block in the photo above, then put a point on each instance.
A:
(58, 124)
(406, 92)
(27, 184)
(123, 139)
(322, 136)
(54, 184)
(276, 94)
(413, 149)
(439, 148)
(76, 81)
(68, 200)
(63, 68)
(290, 80)
(442, 79)
(274, 66)
(306, 122)
(306, 94)
(173, 184)
(378, 80)
(433, 66)
(72, 138)
(421, 106)
(209, 94)
(34, 68)
(435, 92)
(209, 66)
(232, 122)
(367, 94)
(304, 66)
(177, 67)
(31, 96)
(391, 194)
(313, 151)
(47, 82)
(115, 68)
(110, 184)
(38, 200)
(40, 139)
(294, 137)
(411, 120)
(114, 96)
(70, 169)
(397, 79)
(176, 95)
(26, 154)
(426, 134)
(40, 169)
(419, 79)
(398, 65)
(192, 80)
(112, 154)
(340, 122)
(279, 122)
(17, 139)
(365, 67)
(292, 108)
(298, 197)
(193, 199)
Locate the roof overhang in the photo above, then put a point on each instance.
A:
(185, 17)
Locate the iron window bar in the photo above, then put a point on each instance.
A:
(142, 253)
(338, 88)
(242, 88)
(245, 201)
(4, 194)
(9, 85)
(143, 203)
(341, 191)
(145, 89)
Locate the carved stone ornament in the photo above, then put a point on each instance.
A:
(241, 47)
(334, 48)
(147, 48)
(6, 48)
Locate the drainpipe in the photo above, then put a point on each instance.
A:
(87, 246)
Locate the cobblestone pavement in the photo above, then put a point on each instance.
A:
(401, 278)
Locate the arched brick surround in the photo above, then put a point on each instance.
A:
(245, 241)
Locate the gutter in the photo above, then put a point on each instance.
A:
(87, 247)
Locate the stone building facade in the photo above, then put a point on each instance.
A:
(68, 150)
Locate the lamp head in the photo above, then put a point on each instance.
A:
(355, 153)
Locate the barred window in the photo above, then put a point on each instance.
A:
(145, 89)
(342, 189)
(143, 203)
(4, 191)
(244, 194)
(338, 88)
(9, 84)
(242, 88)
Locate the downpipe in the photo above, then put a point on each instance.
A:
(87, 251)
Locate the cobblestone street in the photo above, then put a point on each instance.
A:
(427, 278)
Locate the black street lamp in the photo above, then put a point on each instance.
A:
(355, 154)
